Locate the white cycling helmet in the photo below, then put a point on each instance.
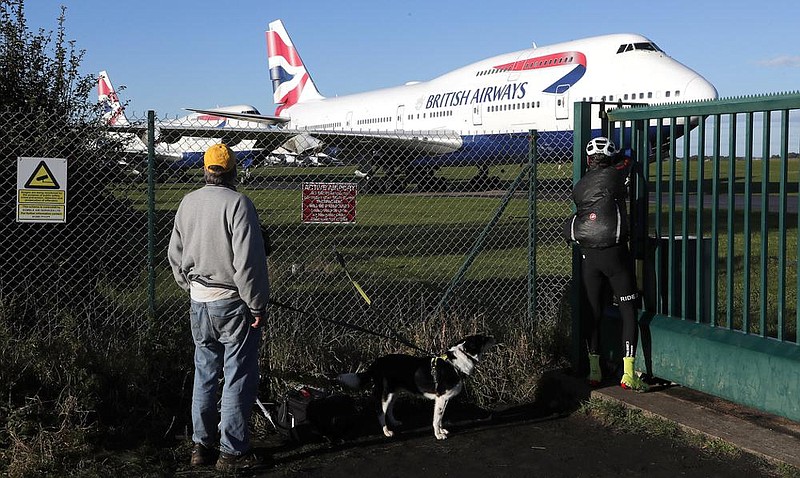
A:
(601, 145)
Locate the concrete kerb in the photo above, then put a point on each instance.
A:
(773, 438)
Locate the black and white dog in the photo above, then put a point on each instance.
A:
(437, 378)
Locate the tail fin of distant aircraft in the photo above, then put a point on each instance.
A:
(113, 111)
(291, 83)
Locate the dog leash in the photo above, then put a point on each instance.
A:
(396, 337)
(341, 262)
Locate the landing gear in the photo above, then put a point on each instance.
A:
(395, 178)
(483, 182)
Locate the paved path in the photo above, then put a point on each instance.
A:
(534, 441)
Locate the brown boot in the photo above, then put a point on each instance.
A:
(202, 455)
(229, 463)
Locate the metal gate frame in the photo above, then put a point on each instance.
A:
(701, 352)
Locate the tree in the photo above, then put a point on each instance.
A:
(65, 334)
(46, 112)
(39, 72)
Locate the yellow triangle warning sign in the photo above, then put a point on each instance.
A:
(42, 178)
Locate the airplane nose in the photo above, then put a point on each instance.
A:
(699, 89)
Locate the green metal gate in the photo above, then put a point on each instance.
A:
(715, 233)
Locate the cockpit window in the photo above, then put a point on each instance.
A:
(647, 46)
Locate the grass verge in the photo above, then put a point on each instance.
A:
(623, 419)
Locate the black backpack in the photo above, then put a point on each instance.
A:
(309, 414)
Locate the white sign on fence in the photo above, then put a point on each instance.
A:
(41, 190)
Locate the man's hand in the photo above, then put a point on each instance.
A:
(256, 322)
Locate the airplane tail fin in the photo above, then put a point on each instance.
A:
(113, 111)
(291, 83)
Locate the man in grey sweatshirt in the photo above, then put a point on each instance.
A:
(217, 254)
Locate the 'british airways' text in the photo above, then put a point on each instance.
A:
(512, 91)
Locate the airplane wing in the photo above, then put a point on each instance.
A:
(256, 118)
(352, 142)
(421, 142)
(268, 135)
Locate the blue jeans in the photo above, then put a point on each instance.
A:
(224, 341)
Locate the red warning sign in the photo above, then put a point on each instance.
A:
(329, 203)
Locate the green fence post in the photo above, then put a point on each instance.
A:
(782, 224)
(765, 228)
(151, 215)
(581, 134)
(477, 246)
(532, 186)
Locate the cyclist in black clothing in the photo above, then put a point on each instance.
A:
(600, 228)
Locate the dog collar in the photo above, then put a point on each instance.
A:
(434, 359)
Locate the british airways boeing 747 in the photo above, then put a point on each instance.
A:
(476, 114)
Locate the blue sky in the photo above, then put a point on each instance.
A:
(173, 54)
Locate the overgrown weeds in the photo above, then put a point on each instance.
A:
(69, 396)
(103, 401)
(508, 373)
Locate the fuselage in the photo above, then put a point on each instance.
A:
(514, 92)
(187, 151)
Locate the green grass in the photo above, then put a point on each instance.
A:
(741, 267)
(414, 236)
(740, 167)
(427, 237)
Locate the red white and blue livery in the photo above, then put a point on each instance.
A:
(476, 114)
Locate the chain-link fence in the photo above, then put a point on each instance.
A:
(431, 242)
